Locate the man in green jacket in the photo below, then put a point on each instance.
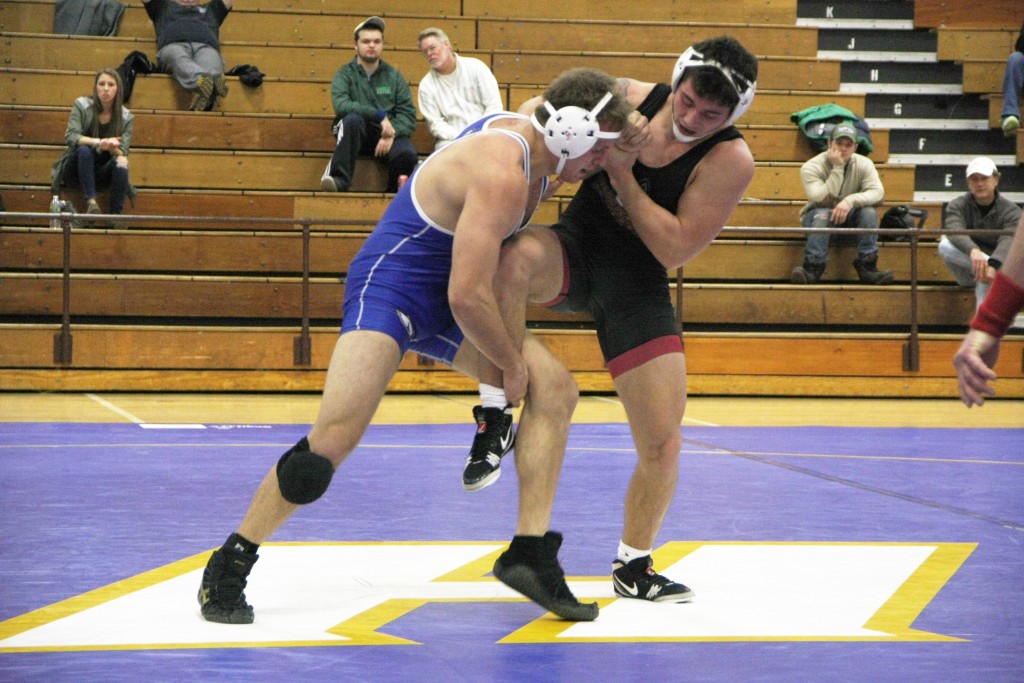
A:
(373, 113)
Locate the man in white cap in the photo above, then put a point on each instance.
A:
(842, 189)
(974, 259)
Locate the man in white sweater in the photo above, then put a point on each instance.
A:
(456, 91)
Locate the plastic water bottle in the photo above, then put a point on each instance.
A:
(55, 207)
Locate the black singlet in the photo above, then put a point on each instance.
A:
(612, 274)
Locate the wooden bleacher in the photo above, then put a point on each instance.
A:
(215, 305)
(319, 63)
(994, 14)
(267, 132)
(983, 52)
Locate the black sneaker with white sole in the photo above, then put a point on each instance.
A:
(530, 566)
(222, 591)
(637, 579)
(495, 436)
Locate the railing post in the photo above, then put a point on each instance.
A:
(303, 344)
(912, 349)
(62, 340)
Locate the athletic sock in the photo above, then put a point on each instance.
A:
(492, 397)
(628, 553)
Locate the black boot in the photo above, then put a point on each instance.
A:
(869, 273)
(221, 593)
(807, 274)
(530, 566)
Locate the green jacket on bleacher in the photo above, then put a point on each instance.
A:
(384, 93)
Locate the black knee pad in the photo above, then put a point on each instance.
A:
(302, 475)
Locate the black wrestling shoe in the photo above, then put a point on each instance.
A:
(637, 579)
(221, 594)
(495, 437)
(537, 575)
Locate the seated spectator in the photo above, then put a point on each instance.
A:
(188, 46)
(842, 190)
(456, 91)
(1013, 87)
(974, 259)
(373, 113)
(98, 137)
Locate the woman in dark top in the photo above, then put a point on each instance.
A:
(98, 137)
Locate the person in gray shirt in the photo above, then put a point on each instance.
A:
(974, 259)
(188, 45)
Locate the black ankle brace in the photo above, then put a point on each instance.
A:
(239, 543)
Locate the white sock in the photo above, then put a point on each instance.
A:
(492, 397)
(628, 553)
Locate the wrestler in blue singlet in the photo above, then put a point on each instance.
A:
(398, 282)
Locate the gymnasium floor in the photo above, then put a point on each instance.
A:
(853, 540)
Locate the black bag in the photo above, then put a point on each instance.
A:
(248, 74)
(135, 63)
(902, 216)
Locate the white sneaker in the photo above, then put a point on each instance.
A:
(1010, 126)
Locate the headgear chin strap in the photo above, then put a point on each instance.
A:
(571, 132)
(744, 89)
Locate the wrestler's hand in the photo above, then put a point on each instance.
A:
(973, 362)
(623, 154)
(635, 134)
(515, 381)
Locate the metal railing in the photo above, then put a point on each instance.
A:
(63, 340)
(302, 345)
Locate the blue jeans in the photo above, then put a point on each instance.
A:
(98, 169)
(816, 251)
(1013, 84)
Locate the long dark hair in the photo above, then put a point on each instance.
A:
(116, 115)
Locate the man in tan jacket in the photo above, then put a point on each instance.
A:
(842, 188)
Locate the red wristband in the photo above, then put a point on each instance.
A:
(996, 313)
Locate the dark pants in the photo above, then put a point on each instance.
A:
(98, 169)
(356, 136)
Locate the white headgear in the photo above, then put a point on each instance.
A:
(744, 89)
(571, 132)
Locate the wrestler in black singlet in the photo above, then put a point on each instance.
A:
(612, 274)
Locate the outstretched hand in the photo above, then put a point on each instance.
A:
(973, 362)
